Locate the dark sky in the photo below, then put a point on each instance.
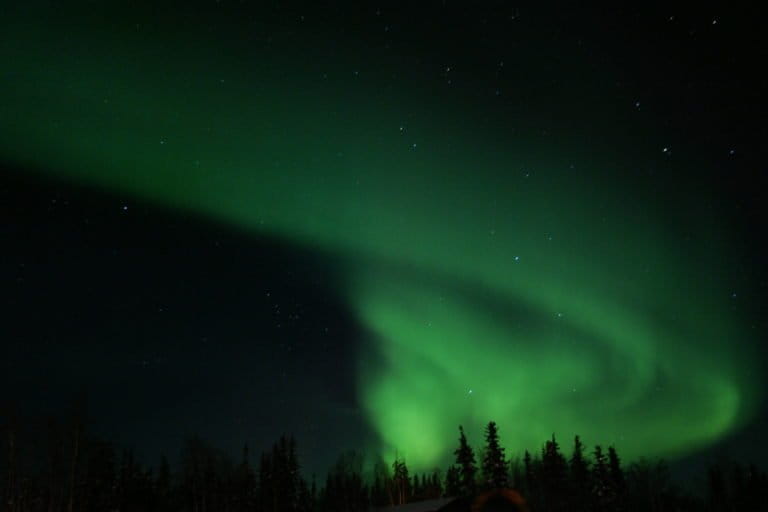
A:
(259, 302)
(169, 325)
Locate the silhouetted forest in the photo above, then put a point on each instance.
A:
(62, 467)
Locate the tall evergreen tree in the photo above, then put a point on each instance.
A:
(465, 459)
(401, 481)
(534, 487)
(554, 475)
(416, 486)
(529, 474)
(494, 463)
(601, 484)
(579, 476)
(280, 482)
(616, 478)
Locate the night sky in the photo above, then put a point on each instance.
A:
(368, 224)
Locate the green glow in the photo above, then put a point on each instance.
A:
(558, 296)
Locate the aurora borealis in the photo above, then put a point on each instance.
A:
(517, 263)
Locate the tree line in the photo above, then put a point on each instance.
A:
(66, 469)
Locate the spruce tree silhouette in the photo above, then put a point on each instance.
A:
(465, 459)
(494, 464)
(617, 482)
(602, 491)
(554, 475)
(579, 477)
(530, 477)
(401, 481)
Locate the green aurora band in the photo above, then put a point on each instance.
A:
(494, 281)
